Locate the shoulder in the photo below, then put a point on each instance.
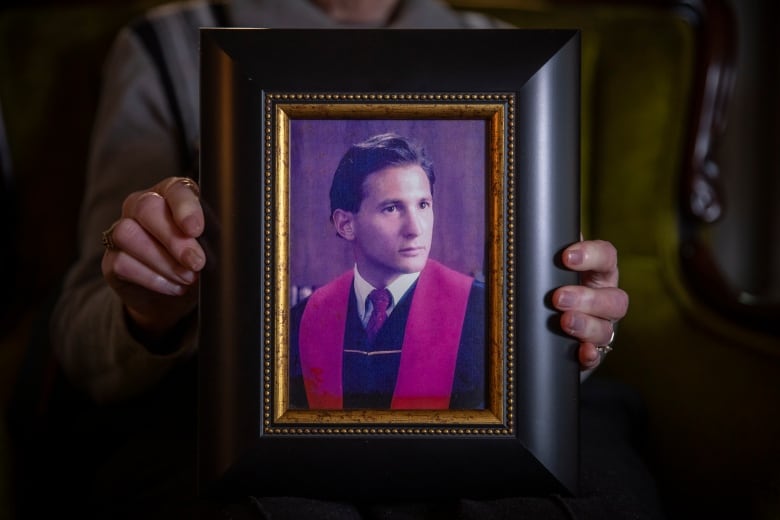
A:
(475, 20)
(173, 22)
(334, 292)
(440, 274)
(177, 20)
(192, 13)
(155, 28)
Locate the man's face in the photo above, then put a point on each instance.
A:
(391, 232)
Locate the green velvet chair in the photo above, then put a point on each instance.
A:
(656, 80)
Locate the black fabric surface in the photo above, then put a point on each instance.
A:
(138, 460)
(615, 481)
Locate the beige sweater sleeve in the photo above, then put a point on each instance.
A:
(133, 147)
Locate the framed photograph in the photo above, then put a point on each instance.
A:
(438, 166)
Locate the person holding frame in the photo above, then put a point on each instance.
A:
(121, 334)
(125, 324)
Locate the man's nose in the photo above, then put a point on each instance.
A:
(413, 223)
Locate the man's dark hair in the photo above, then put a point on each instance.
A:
(374, 154)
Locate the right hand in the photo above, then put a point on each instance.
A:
(156, 257)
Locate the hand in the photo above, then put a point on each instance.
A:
(152, 259)
(591, 310)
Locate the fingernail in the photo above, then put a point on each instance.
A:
(191, 226)
(565, 300)
(192, 259)
(577, 324)
(574, 257)
(170, 288)
(186, 276)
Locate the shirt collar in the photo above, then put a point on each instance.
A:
(397, 289)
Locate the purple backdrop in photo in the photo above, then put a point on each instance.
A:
(457, 149)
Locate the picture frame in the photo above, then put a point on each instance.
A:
(520, 90)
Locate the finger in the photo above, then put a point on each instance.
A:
(598, 257)
(589, 357)
(609, 303)
(120, 269)
(587, 328)
(132, 239)
(152, 212)
(183, 197)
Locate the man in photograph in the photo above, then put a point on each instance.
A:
(399, 330)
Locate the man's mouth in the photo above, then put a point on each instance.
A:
(412, 251)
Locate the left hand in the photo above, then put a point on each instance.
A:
(591, 310)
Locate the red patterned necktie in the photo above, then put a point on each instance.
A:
(380, 299)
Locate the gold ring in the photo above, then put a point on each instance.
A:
(108, 240)
(192, 185)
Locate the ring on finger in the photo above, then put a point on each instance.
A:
(186, 181)
(107, 238)
(607, 347)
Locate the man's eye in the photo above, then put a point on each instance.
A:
(425, 204)
(390, 209)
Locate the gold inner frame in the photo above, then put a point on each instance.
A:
(498, 111)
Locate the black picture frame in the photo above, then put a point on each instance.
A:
(526, 442)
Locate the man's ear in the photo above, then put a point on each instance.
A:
(344, 223)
